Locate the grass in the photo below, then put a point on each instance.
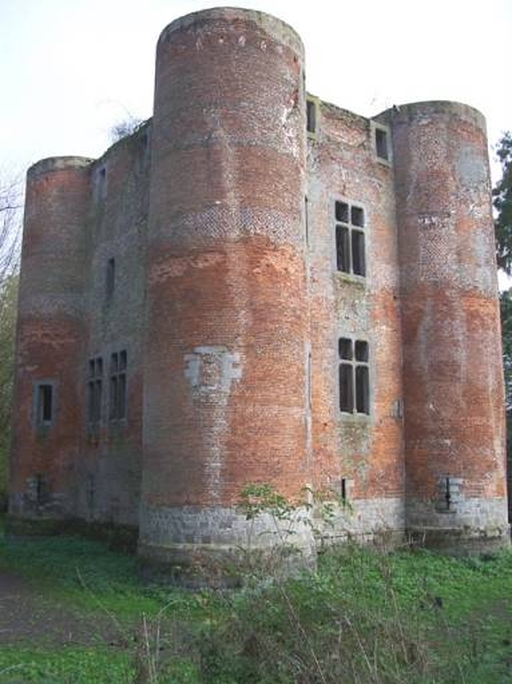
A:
(364, 616)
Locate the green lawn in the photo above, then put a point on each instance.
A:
(365, 616)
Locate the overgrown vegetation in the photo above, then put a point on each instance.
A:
(10, 238)
(364, 616)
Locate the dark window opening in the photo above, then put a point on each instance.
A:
(342, 249)
(354, 376)
(350, 238)
(362, 390)
(358, 261)
(306, 219)
(361, 350)
(44, 404)
(346, 388)
(117, 393)
(448, 494)
(95, 390)
(345, 348)
(382, 144)
(357, 216)
(111, 277)
(341, 211)
(344, 496)
(311, 116)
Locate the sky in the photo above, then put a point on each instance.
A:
(70, 69)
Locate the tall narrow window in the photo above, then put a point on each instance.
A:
(306, 219)
(44, 405)
(111, 277)
(117, 398)
(382, 142)
(350, 238)
(354, 376)
(95, 390)
(311, 116)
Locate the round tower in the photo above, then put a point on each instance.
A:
(454, 399)
(48, 384)
(227, 318)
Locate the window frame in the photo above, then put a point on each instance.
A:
(118, 386)
(377, 128)
(313, 106)
(94, 407)
(348, 366)
(350, 238)
(42, 424)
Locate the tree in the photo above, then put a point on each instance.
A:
(125, 127)
(502, 194)
(10, 224)
(10, 238)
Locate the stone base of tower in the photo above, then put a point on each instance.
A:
(118, 537)
(379, 521)
(217, 546)
(476, 526)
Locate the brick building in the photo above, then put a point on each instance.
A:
(258, 286)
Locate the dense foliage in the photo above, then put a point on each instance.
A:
(503, 204)
(10, 234)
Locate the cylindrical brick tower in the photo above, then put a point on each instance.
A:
(48, 388)
(226, 358)
(454, 400)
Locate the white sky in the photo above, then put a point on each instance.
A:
(69, 69)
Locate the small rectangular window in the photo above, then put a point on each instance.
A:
(344, 493)
(361, 350)
(111, 277)
(382, 142)
(306, 219)
(354, 376)
(311, 116)
(44, 404)
(341, 212)
(345, 348)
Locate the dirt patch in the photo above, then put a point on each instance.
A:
(27, 614)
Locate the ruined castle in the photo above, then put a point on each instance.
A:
(259, 286)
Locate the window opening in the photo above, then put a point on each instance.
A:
(354, 376)
(306, 219)
(344, 490)
(311, 107)
(382, 146)
(111, 277)
(44, 406)
(118, 367)
(95, 390)
(448, 494)
(350, 238)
